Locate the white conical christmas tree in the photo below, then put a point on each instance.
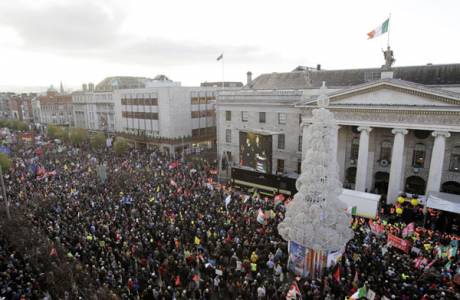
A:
(316, 218)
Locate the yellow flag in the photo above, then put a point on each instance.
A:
(197, 240)
(152, 199)
(158, 189)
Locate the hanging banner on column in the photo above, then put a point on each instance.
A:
(296, 262)
(315, 263)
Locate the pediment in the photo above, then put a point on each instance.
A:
(394, 93)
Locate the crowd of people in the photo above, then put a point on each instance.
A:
(162, 228)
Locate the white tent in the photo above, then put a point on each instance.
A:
(444, 201)
(366, 203)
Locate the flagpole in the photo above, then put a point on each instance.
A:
(223, 70)
(388, 37)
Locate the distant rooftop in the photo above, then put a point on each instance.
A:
(306, 77)
(120, 82)
(227, 84)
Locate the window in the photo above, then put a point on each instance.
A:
(282, 117)
(261, 117)
(354, 150)
(421, 134)
(281, 138)
(228, 135)
(385, 151)
(228, 115)
(300, 119)
(280, 166)
(299, 148)
(244, 116)
(454, 164)
(418, 160)
(299, 166)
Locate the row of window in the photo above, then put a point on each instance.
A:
(140, 115)
(146, 102)
(280, 145)
(202, 100)
(203, 113)
(203, 131)
(282, 117)
(418, 154)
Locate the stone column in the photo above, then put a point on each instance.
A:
(396, 168)
(341, 142)
(304, 127)
(437, 161)
(363, 157)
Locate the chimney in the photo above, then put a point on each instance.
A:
(91, 87)
(84, 87)
(318, 67)
(249, 77)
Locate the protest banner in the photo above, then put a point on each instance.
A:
(376, 228)
(399, 243)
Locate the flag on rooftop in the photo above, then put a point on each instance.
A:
(381, 29)
(220, 57)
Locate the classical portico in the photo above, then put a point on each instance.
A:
(394, 127)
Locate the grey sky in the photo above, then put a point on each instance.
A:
(45, 41)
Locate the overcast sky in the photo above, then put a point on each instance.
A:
(45, 41)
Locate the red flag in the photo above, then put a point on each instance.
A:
(53, 252)
(428, 266)
(356, 279)
(293, 292)
(177, 280)
(337, 274)
(196, 278)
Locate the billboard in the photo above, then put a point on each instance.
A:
(256, 151)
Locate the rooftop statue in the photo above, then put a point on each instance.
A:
(389, 59)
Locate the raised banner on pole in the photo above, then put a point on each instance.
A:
(399, 243)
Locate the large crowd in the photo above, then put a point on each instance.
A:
(162, 228)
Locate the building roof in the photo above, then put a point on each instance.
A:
(392, 82)
(227, 84)
(305, 78)
(120, 82)
(55, 99)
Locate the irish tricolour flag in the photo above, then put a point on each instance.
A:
(379, 30)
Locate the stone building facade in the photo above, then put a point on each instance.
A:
(399, 130)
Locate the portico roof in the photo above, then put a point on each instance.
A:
(399, 85)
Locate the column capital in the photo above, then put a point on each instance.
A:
(399, 131)
(365, 128)
(444, 134)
